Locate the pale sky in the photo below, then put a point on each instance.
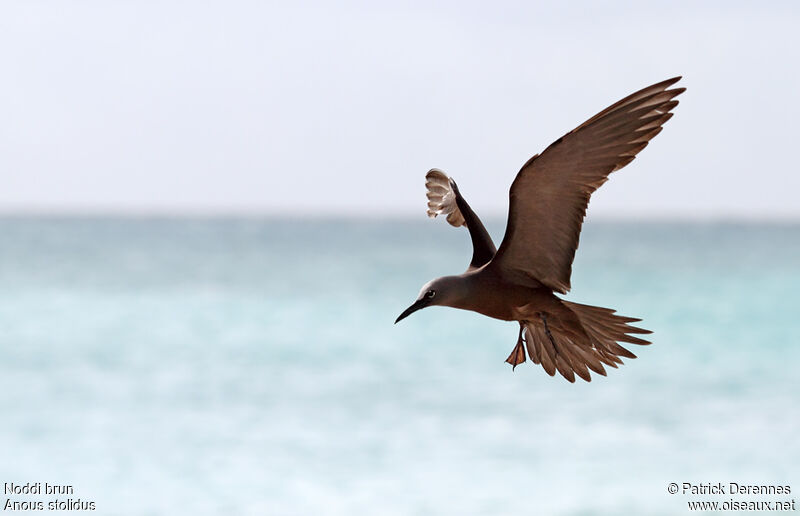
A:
(341, 107)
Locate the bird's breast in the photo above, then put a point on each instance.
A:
(495, 298)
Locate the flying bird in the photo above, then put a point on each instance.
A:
(547, 205)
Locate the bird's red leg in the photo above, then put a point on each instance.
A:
(517, 355)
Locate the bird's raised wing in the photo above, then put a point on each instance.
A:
(549, 196)
(445, 199)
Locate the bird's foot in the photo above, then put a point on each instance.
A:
(517, 355)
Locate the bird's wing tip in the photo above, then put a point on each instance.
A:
(441, 193)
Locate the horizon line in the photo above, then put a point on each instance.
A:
(370, 215)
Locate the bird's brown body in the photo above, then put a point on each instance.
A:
(502, 299)
(548, 201)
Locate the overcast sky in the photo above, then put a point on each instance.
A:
(341, 107)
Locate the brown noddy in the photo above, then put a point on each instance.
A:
(548, 201)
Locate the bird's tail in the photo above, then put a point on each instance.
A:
(557, 344)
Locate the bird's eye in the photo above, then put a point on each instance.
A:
(429, 294)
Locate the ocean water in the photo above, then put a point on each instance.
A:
(251, 366)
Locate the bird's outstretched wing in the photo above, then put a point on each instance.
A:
(445, 199)
(549, 196)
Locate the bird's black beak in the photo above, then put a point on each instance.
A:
(418, 304)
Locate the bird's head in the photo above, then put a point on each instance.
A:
(445, 291)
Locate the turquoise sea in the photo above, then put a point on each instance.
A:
(250, 366)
